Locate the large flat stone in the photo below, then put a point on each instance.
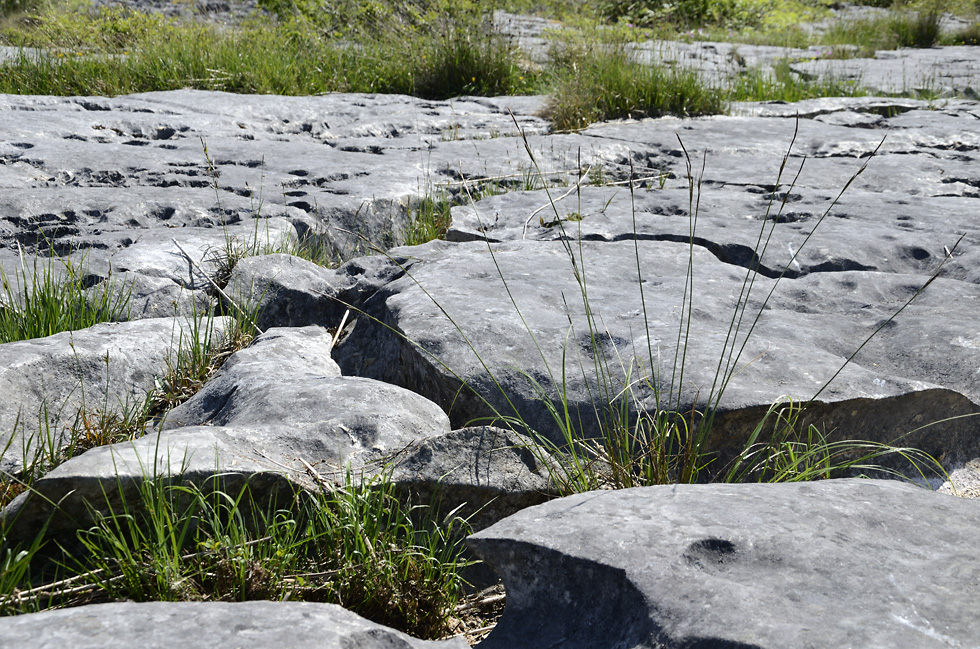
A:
(452, 320)
(825, 565)
(431, 335)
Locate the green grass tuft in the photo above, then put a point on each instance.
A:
(600, 81)
(351, 543)
(53, 296)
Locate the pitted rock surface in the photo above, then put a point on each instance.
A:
(845, 265)
(123, 181)
(831, 564)
(87, 172)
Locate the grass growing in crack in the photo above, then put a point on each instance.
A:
(53, 296)
(351, 542)
(650, 430)
(431, 220)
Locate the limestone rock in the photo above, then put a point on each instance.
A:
(489, 473)
(276, 415)
(286, 387)
(539, 345)
(110, 366)
(196, 625)
(837, 563)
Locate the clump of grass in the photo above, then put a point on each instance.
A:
(782, 84)
(916, 29)
(897, 28)
(686, 14)
(53, 296)
(431, 219)
(352, 543)
(596, 81)
(15, 7)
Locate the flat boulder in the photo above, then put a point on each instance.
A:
(276, 416)
(521, 347)
(494, 322)
(837, 563)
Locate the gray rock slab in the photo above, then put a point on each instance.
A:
(452, 321)
(838, 563)
(157, 252)
(286, 387)
(923, 149)
(113, 179)
(287, 291)
(941, 71)
(109, 366)
(152, 297)
(487, 473)
(75, 168)
(196, 625)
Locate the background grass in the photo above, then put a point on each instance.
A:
(437, 49)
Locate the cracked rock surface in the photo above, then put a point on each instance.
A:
(125, 185)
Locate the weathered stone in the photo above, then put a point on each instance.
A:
(286, 291)
(277, 413)
(838, 563)
(197, 625)
(898, 221)
(286, 388)
(919, 370)
(138, 161)
(864, 231)
(46, 381)
(488, 473)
